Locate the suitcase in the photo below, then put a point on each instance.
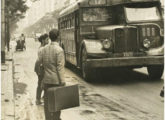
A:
(64, 97)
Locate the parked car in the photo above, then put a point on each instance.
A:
(20, 45)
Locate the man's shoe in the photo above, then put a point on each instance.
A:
(38, 102)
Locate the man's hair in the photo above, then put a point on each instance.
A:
(53, 34)
(45, 36)
(40, 38)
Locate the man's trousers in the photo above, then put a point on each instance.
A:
(39, 89)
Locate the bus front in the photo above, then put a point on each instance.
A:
(127, 35)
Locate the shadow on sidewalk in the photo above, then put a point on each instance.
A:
(19, 88)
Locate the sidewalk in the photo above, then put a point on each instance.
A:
(7, 92)
(9, 105)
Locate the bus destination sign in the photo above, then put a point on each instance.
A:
(97, 2)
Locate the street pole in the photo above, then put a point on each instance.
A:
(8, 31)
(7, 28)
(3, 31)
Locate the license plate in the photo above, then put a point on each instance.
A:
(128, 54)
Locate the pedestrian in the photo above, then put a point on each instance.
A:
(22, 38)
(52, 59)
(162, 92)
(43, 39)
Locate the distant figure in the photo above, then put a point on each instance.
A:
(162, 92)
(21, 43)
(52, 59)
(43, 39)
(22, 38)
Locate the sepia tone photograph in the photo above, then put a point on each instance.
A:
(82, 60)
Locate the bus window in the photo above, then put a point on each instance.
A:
(95, 14)
(72, 22)
(118, 18)
(62, 25)
(68, 24)
(97, 2)
(77, 20)
(142, 14)
(65, 24)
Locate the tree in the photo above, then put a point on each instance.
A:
(15, 10)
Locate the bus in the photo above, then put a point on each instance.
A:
(113, 33)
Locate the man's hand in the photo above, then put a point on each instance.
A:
(63, 84)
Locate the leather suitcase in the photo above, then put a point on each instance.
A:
(63, 97)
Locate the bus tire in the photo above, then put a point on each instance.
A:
(86, 71)
(155, 71)
(67, 64)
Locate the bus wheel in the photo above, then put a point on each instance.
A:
(67, 65)
(86, 71)
(155, 71)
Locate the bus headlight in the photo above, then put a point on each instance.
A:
(146, 43)
(107, 44)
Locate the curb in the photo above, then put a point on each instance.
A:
(7, 90)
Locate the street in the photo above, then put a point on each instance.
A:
(116, 95)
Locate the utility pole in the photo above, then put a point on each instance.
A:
(7, 29)
(3, 31)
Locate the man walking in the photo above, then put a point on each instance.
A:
(52, 59)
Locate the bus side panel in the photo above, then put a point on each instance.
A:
(68, 40)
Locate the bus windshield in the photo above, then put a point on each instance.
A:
(95, 14)
(142, 14)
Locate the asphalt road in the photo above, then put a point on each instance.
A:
(116, 95)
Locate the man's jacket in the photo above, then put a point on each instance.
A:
(38, 68)
(52, 59)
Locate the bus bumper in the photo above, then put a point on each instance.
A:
(125, 61)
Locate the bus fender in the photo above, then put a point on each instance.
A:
(92, 47)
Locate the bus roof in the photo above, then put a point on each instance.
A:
(86, 3)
